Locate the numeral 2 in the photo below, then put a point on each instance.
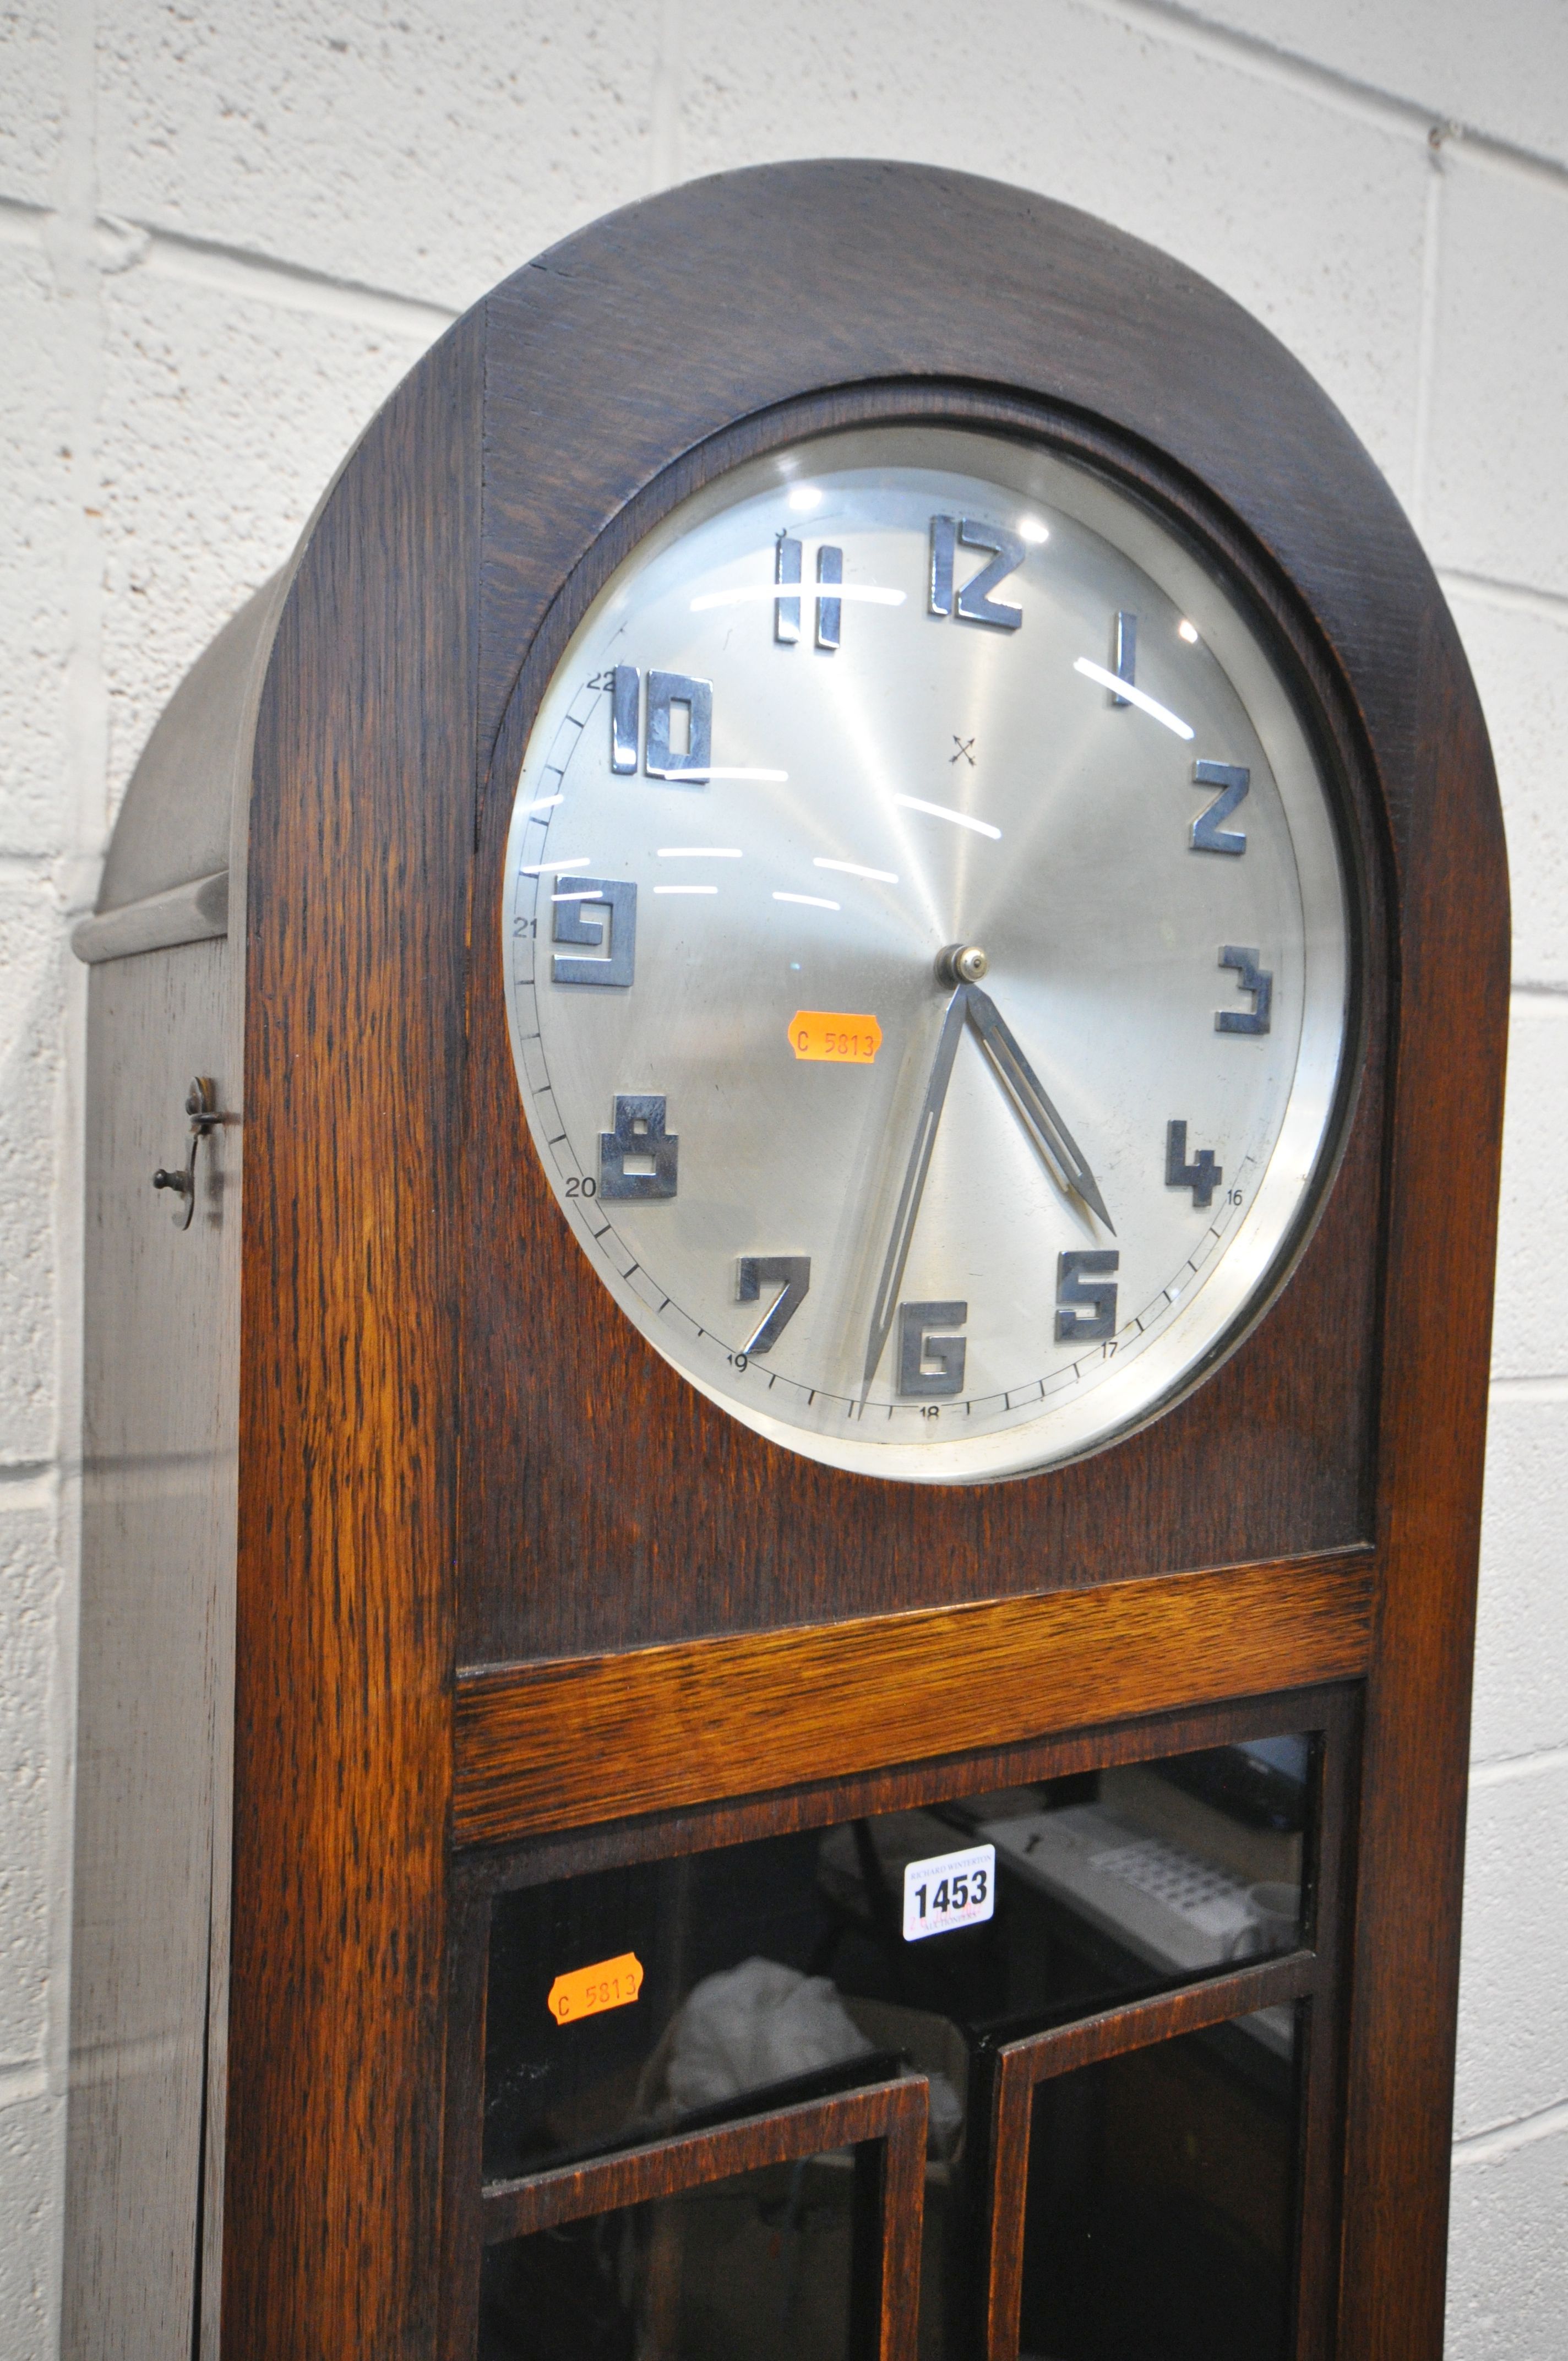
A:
(1084, 1277)
(975, 603)
(1207, 836)
(791, 1274)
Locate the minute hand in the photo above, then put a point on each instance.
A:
(1051, 1135)
(919, 1164)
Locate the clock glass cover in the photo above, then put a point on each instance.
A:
(927, 952)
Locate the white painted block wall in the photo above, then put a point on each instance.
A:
(227, 227)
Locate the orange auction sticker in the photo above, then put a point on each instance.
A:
(609, 1983)
(828, 1033)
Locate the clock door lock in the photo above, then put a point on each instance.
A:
(201, 1106)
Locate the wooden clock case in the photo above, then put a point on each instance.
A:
(391, 1518)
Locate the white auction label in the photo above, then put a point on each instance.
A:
(951, 1889)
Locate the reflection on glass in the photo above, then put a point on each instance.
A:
(756, 2268)
(659, 1997)
(1161, 2202)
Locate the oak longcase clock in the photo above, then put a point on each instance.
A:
(807, 1035)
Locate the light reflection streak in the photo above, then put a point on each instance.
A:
(1131, 695)
(555, 868)
(868, 594)
(545, 803)
(945, 811)
(854, 869)
(812, 901)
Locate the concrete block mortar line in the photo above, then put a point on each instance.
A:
(1532, 1000)
(1500, 2140)
(1426, 349)
(664, 101)
(1512, 598)
(118, 244)
(22, 2081)
(1387, 109)
(1531, 1389)
(1506, 1770)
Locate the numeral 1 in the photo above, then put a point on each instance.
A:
(1124, 657)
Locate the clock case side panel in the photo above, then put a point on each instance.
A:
(607, 1505)
(361, 834)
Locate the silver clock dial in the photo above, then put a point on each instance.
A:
(927, 952)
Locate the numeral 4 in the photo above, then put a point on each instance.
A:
(1203, 1176)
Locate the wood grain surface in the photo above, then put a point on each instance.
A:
(454, 1450)
(884, 2124)
(360, 827)
(515, 2209)
(1021, 2065)
(675, 1519)
(602, 1736)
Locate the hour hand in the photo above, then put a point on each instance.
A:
(1050, 1134)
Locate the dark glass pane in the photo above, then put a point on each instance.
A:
(762, 1963)
(735, 1981)
(1161, 2203)
(753, 2268)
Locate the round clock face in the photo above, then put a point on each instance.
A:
(927, 952)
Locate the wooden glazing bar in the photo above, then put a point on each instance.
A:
(564, 1744)
(890, 2211)
(1040, 2057)
(883, 2112)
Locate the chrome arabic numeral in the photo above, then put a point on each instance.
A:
(786, 572)
(1083, 1279)
(975, 603)
(829, 611)
(624, 697)
(1207, 836)
(1124, 652)
(919, 1342)
(791, 1274)
(1203, 1176)
(1251, 978)
(596, 902)
(637, 1158)
(666, 691)
(944, 540)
